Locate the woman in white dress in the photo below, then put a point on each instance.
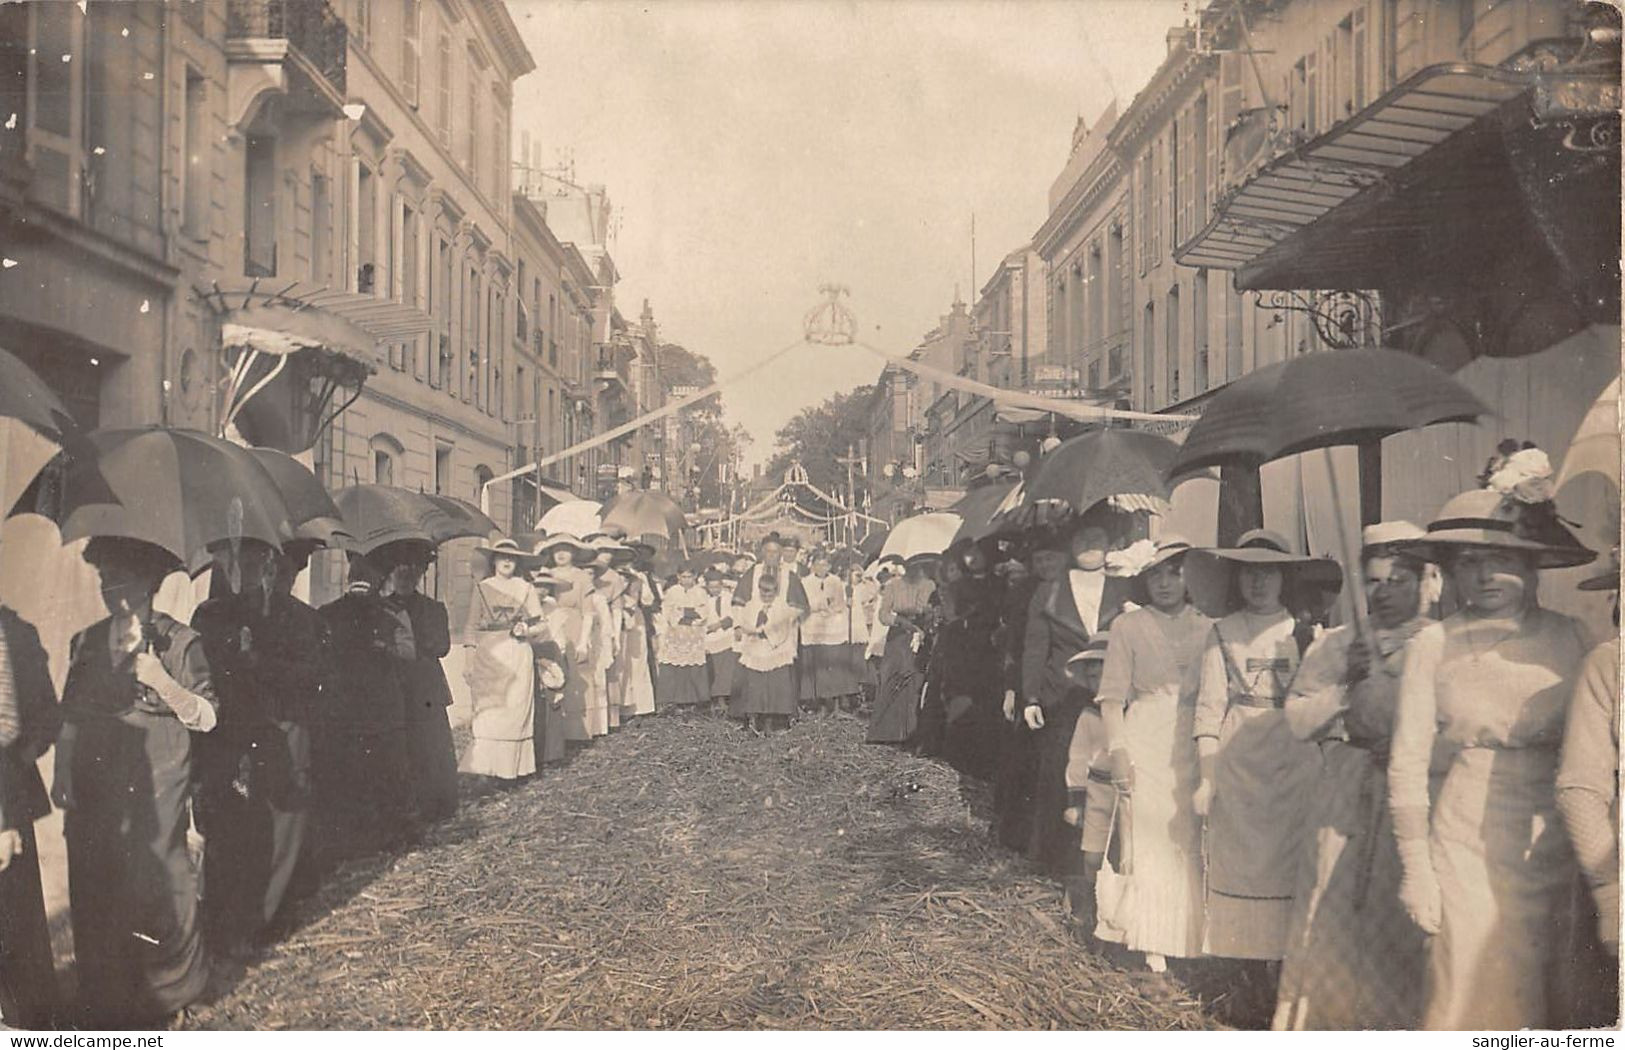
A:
(1254, 773)
(500, 667)
(600, 626)
(564, 556)
(1147, 701)
(1488, 870)
(638, 690)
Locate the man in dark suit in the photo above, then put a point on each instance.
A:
(1063, 615)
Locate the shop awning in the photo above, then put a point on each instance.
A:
(335, 319)
(1298, 189)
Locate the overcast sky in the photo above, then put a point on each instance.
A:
(754, 151)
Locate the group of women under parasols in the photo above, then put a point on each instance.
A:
(1403, 821)
(1367, 816)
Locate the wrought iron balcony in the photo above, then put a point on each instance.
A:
(309, 27)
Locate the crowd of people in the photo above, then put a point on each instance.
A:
(1392, 821)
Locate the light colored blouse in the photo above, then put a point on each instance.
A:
(1262, 660)
(1588, 776)
(905, 597)
(769, 631)
(826, 621)
(1151, 653)
(1481, 683)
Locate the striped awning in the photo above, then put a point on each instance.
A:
(1297, 189)
(323, 315)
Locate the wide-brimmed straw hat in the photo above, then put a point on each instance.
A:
(1168, 549)
(1484, 518)
(548, 544)
(1386, 536)
(506, 548)
(619, 553)
(1209, 570)
(1607, 579)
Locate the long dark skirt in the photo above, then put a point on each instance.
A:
(902, 680)
(1054, 844)
(27, 979)
(549, 734)
(766, 692)
(431, 756)
(363, 790)
(683, 686)
(1013, 785)
(131, 885)
(827, 672)
(722, 670)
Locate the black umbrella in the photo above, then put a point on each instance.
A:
(311, 510)
(1338, 397)
(1131, 467)
(380, 514)
(24, 396)
(977, 508)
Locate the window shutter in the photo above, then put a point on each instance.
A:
(409, 51)
(1357, 60)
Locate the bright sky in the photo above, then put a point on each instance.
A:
(754, 151)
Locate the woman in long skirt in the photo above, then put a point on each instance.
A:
(1488, 870)
(860, 627)
(767, 686)
(500, 668)
(638, 697)
(826, 665)
(1254, 773)
(908, 610)
(1147, 700)
(138, 687)
(1354, 959)
(969, 666)
(685, 611)
(601, 624)
(29, 720)
(720, 658)
(424, 639)
(571, 627)
(552, 667)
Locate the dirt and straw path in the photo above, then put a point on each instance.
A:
(681, 874)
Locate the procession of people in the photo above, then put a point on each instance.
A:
(1395, 812)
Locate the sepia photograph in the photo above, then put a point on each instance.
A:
(809, 515)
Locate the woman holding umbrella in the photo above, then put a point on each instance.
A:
(1487, 868)
(138, 687)
(500, 667)
(1254, 772)
(1354, 959)
(908, 609)
(423, 636)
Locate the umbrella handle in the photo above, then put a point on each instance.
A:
(1351, 553)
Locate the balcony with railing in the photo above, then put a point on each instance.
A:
(298, 47)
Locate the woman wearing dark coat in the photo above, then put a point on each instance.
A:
(423, 637)
(28, 723)
(138, 688)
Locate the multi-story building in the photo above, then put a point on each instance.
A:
(1307, 175)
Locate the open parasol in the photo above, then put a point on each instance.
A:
(1130, 468)
(577, 517)
(1595, 448)
(647, 515)
(978, 506)
(921, 534)
(311, 509)
(1318, 401)
(1339, 397)
(378, 514)
(181, 490)
(33, 423)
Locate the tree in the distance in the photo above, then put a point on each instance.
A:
(820, 435)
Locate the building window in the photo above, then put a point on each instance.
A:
(1074, 323)
(1199, 334)
(482, 478)
(385, 451)
(1145, 210)
(473, 143)
(442, 88)
(361, 25)
(259, 207)
(1148, 355)
(1171, 353)
(321, 228)
(1094, 375)
(195, 170)
(410, 54)
(366, 229)
(1197, 182)
(409, 255)
(43, 94)
(442, 469)
(1097, 297)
